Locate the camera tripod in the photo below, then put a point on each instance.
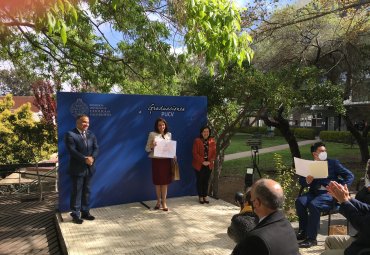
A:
(249, 175)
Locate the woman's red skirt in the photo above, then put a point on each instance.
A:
(161, 171)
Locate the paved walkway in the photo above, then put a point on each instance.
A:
(245, 154)
(187, 228)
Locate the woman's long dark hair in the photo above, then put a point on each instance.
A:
(205, 127)
(156, 125)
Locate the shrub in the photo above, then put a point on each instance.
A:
(336, 136)
(288, 181)
(22, 139)
(305, 133)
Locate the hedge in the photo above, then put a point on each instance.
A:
(304, 133)
(336, 136)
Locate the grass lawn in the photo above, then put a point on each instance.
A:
(239, 142)
(349, 157)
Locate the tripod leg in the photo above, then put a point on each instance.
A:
(255, 166)
(258, 171)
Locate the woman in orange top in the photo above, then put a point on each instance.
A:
(204, 155)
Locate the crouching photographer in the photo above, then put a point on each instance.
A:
(245, 220)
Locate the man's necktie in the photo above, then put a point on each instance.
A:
(83, 134)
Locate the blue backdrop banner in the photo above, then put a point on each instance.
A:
(121, 124)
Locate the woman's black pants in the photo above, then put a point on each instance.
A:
(202, 180)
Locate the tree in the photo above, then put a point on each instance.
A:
(65, 39)
(258, 14)
(336, 43)
(231, 99)
(245, 92)
(291, 88)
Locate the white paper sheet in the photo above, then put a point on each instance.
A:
(317, 169)
(165, 149)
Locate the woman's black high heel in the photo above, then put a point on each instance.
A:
(157, 206)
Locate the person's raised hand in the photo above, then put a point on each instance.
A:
(338, 191)
(309, 179)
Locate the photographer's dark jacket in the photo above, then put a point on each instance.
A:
(274, 235)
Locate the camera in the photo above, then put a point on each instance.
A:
(239, 199)
(248, 179)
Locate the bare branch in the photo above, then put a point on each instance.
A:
(277, 26)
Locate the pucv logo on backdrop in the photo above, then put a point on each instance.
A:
(80, 107)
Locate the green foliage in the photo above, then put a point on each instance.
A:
(290, 87)
(230, 98)
(65, 41)
(288, 181)
(214, 33)
(52, 16)
(304, 133)
(336, 136)
(22, 139)
(7, 103)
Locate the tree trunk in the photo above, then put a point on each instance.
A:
(290, 138)
(360, 139)
(282, 124)
(222, 142)
(216, 175)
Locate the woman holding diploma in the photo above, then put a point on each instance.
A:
(204, 154)
(161, 167)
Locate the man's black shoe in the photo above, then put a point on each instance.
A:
(301, 235)
(308, 243)
(87, 216)
(76, 219)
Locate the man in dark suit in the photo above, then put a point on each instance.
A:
(274, 234)
(358, 214)
(83, 149)
(310, 205)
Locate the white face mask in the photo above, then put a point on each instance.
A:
(323, 155)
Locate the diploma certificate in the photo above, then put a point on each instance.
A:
(317, 169)
(165, 149)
